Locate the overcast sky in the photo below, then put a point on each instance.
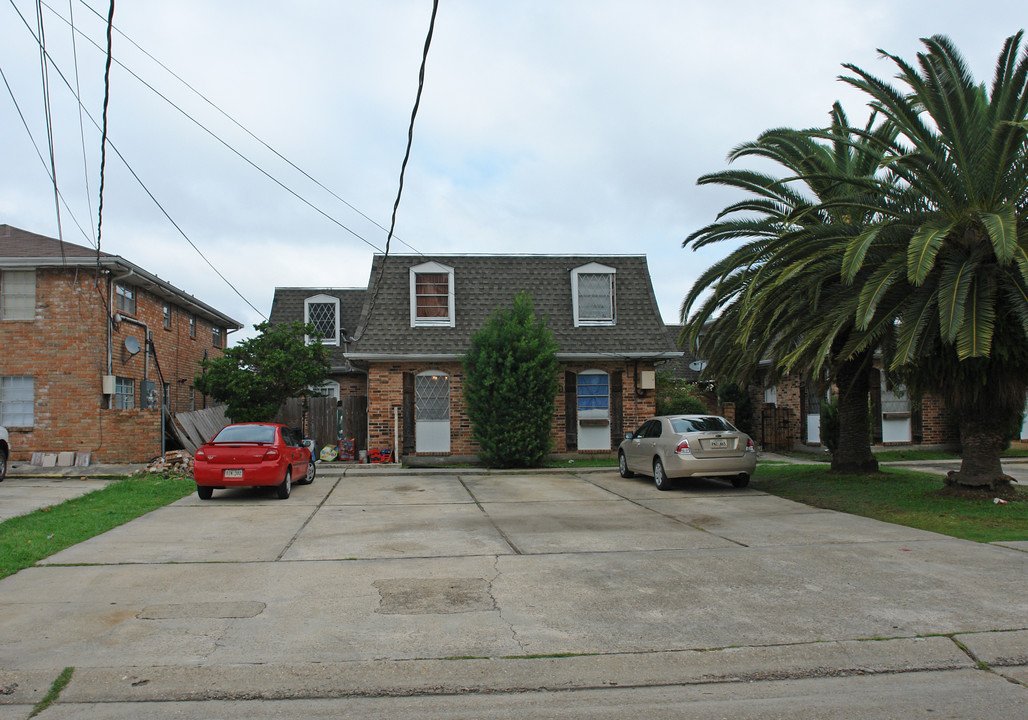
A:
(546, 126)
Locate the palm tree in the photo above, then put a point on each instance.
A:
(781, 296)
(946, 263)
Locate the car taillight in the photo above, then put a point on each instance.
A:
(200, 456)
(749, 445)
(683, 448)
(271, 454)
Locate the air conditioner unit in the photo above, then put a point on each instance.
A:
(647, 380)
(109, 384)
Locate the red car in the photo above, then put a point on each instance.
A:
(252, 455)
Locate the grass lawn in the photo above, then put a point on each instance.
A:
(899, 496)
(27, 539)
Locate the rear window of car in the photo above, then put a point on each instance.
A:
(700, 424)
(246, 433)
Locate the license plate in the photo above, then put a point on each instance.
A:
(233, 473)
(718, 444)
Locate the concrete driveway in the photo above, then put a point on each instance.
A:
(516, 595)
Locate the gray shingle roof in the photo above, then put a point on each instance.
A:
(484, 283)
(288, 306)
(20, 248)
(679, 367)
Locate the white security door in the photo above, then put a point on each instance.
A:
(432, 412)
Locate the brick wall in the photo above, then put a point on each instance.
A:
(937, 423)
(64, 350)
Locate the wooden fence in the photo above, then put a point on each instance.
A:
(196, 427)
(326, 420)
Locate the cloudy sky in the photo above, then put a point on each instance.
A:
(546, 126)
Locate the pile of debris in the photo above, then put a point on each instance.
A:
(171, 460)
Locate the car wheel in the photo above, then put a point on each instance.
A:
(287, 485)
(3, 464)
(741, 481)
(312, 470)
(659, 476)
(204, 492)
(623, 466)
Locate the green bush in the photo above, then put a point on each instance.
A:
(510, 385)
(677, 397)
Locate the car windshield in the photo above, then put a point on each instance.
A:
(709, 423)
(246, 433)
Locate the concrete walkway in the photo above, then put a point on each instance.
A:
(401, 594)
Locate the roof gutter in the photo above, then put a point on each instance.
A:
(121, 268)
(560, 356)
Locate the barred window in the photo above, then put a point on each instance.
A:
(18, 295)
(16, 400)
(323, 317)
(596, 297)
(432, 397)
(322, 311)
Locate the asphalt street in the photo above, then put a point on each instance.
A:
(404, 594)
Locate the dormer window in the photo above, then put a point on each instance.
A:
(431, 295)
(593, 295)
(322, 311)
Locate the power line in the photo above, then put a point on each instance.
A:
(139, 180)
(403, 165)
(82, 127)
(103, 136)
(49, 124)
(39, 154)
(244, 129)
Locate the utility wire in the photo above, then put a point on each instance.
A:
(138, 179)
(403, 167)
(49, 125)
(39, 153)
(239, 154)
(246, 130)
(78, 94)
(103, 136)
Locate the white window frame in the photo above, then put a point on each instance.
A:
(329, 388)
(125, 296)
(594, 269)
(10, 396)
(14, 289)
(124, 397)
(431, 268)
(771, 395)
(322, 300)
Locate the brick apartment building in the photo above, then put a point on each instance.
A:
(405, 339)
(94, 350)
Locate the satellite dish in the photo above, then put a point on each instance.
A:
(132, 345)
(697, 365)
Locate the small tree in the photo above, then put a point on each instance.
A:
(510, 385)
(256, 376)
(676, 396)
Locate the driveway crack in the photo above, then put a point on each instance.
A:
(499, 610)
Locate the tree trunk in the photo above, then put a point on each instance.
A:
(983, 440)
(854, 452)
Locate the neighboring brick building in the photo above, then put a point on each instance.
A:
(92, 348)
(418, 317)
